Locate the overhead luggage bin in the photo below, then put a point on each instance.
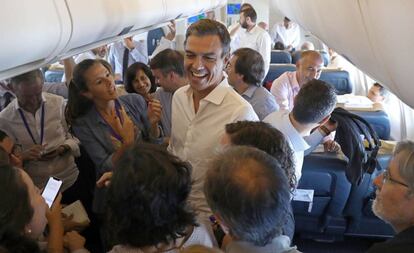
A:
(32, 33)
(109, 19)
(364, 31)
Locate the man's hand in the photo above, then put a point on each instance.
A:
(171, 34)
(73, 241)
(129, 43)
(331, 146)
(33, 153)
(104, 180)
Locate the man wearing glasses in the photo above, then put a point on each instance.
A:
(394, 202)
(14, 151)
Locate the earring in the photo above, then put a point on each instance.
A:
(28, 231)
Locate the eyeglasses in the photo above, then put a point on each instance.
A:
(386, 177)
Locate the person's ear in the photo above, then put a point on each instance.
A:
(324, 120)
(226, 60)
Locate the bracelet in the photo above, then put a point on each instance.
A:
(325, 130)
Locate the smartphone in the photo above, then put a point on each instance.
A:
(51, 190)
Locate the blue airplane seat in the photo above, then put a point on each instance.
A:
(53, 76)
(379, 121)
(361, 220)
(325, 173)
(153, 39)
(297, 54)
(280, 56)
(338, 79)
(276, 70)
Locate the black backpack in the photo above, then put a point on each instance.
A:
(351, 132)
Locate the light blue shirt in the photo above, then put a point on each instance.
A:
(261, 100)
(116, 55)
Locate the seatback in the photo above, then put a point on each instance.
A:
(276, 70)
(338, 79)
(358, 209)
(325, 174)
(280, 56)
(379, 120)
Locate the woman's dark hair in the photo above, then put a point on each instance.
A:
(131, 73)
(11, 242)
(263, 136)
(78, 104)
(15, 210)
(147, 198)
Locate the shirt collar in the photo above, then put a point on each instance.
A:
(216, 96)
(297, 141)
(17, 106)
(250, 91)
(253, 30)
(294, 82)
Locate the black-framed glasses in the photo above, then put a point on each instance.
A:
(386, 176)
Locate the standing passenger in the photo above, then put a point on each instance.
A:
(245, 72)
(202, 109)
(105, 123)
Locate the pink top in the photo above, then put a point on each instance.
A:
(284, 89)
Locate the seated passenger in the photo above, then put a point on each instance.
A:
(307, 45)
(36, 120)
(286, 87)
(105, 123)
(245, 72)
(313, 107)
(168, 70)
(394, 202)
(140, 80)
(147, 203)
(25, 214)
(270, 140)
(249, 195)
(377, 93)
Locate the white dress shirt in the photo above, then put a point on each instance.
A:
(288, 37)
(299, 144)
(55, 134)
(194, 136)
(259, 40)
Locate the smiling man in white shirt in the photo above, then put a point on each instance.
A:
(201, 109)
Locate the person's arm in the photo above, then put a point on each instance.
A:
(139, 52)
(69, 65)
(71, 143)
(55, 238)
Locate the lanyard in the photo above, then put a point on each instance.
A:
(118, 113)
(42, 124)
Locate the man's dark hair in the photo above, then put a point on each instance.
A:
(251, 13)
(205, 27)
(315, 101)
(263, 136)
(245, 6)
(132, 72)
(250, 64)
(147, 198)
(383, 92)
(168, 60)
(259, 211)
(27, 77)
(287, 19)
(16, 211)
